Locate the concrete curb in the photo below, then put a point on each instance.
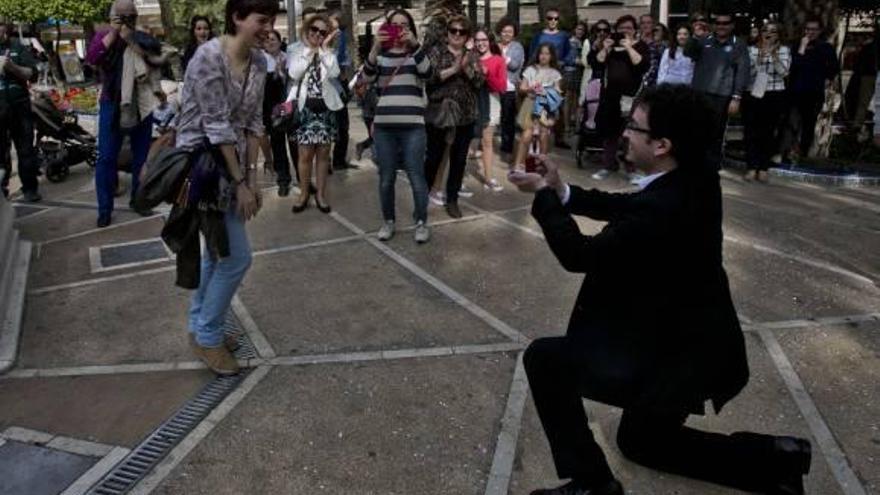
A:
(826, 179)
(10, 332)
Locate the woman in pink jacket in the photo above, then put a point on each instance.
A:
(489, 100)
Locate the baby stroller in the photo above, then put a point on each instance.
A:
(61, 141)
(588, 134)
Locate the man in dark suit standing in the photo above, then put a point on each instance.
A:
(654, 330)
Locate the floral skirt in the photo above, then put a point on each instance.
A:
(316, 128)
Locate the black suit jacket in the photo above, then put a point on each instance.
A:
(655, 294)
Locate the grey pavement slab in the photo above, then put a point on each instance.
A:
(840, 368)
(34, 470)
(509, 273)
(350, 297)
(141, 319)
(68, 261)
(276, 226)
(764, 406)
(767, 287)
(355, 196)
(851, 248)
(422, 426)
(61, 222)
(109, 409)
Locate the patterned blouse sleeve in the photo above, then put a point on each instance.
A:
(254, 98)
(206, 76)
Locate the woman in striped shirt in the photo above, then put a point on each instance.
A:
(401, 66)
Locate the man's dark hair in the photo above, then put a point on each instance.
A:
(503, 23)
(624, 19)
(551, 9)
(814, 19)
(244, 8)
(721, 12)
(683, 116)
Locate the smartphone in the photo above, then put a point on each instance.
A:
(393, 31)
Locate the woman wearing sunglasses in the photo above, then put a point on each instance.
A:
(312, 71)
(452, 107)
(765, 104)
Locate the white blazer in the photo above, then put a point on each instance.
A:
(296, 67)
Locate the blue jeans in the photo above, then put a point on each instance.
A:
(220, 279)
(109, 143)
(399, 147)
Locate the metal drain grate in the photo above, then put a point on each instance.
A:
(151, 451)
(125, 475)
(245, 347)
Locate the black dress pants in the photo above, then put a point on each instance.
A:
(340, 148)
(508, 121)
(18, 129)
(808, 106)
(763, 119)
(715, 151)
(457, 156)
(562, 371)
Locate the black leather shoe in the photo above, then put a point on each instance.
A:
(283, 191)
(298, 208)
(792, 461)
(103, 221)
(453, 210)
(322, 207)
(613, 487)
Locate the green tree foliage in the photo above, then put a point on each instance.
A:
(76, 11)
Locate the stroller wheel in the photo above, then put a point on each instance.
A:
(57, 173)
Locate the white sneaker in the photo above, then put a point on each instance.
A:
(423, 233)
(386, 231)
(493, 186)
(437, 198)
(465, 192)
(602, 174)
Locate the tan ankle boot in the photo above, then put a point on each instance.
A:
(218, 359)
(229, 341)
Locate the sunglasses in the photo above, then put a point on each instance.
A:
(633, 126)
(317, 30)
(458, 32)
(723, 23)
(603, 30)
(551, 18)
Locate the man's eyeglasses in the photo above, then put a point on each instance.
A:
(552, 18)
(632, 125)
(317, 30)
(458, 32)
(723, 23)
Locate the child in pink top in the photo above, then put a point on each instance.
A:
(495, 69)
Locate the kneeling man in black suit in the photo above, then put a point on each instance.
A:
(654, 330)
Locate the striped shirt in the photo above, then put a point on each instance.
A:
(400, 87)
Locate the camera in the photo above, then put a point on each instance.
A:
(394, 32)
(616, 37)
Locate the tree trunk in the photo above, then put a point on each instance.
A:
(796, 12)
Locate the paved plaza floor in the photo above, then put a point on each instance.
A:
(394, 368)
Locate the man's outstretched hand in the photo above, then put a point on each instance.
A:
(546, 175)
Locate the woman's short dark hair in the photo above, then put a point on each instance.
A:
(624, 19)
(192, 27)
(503, 23)
(276, 34)
(461, 20)
(554, 62)
(409, 19)
(683, 116)
(244, 8)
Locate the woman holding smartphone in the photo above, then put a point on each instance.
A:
(312, 71)
(397, 66)
(222, 103)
